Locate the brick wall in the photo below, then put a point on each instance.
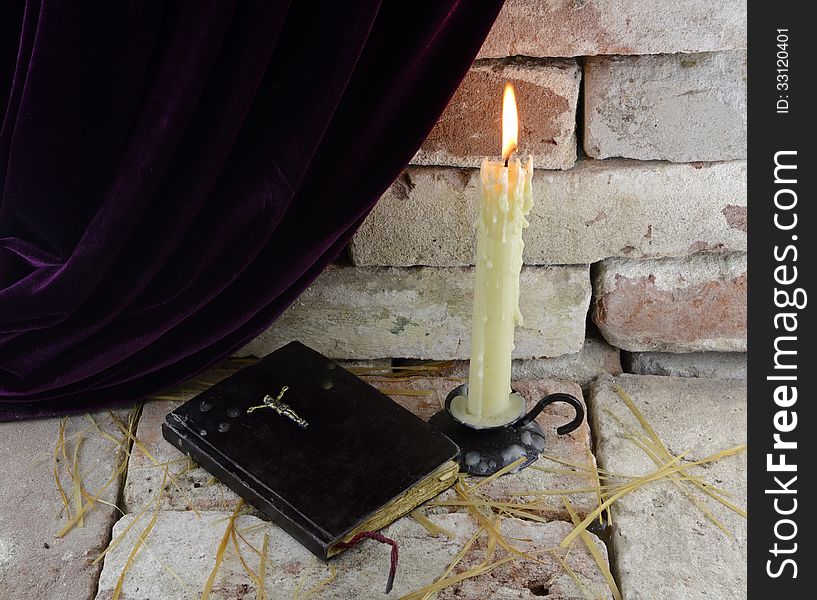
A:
(635, 111)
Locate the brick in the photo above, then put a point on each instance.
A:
(470, 129)
(595, 357)
(577, 28)
(665, 547)
(672, 305)
(362, 313)
(34, 563)
(596, 210)
(723, 365)
(678, 107)
(573, 447)
(187, 546)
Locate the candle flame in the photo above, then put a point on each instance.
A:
(510, 122)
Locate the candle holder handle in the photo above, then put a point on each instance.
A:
(550, 399)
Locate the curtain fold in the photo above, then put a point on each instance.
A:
(173, 175)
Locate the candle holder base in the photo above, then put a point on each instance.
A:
(486, 451)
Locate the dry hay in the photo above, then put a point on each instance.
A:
(488, 513)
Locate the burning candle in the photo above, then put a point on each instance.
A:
(505, 201)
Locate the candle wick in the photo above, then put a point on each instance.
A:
(507, 158)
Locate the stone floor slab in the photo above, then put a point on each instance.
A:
(524, 580)
(34, 563)
(664, 547)
(181, 544)
(196, 489)
(189, 487)
(545, 474)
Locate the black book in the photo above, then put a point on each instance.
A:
(325, 456)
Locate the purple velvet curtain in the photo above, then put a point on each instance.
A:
(172, 175)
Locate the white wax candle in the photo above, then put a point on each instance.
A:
(506, 200)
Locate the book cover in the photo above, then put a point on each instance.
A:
(325, 457)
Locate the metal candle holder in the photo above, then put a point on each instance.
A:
(484, 451)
